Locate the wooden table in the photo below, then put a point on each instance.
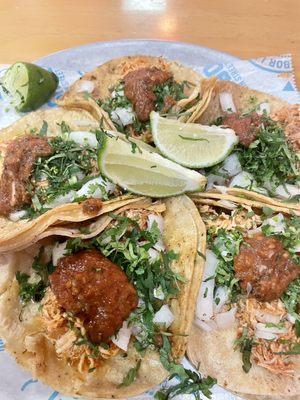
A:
(245, 28)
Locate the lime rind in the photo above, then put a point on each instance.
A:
(191, 145)
(29, 85)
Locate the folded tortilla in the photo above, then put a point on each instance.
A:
(19, 234)
(100, 82)
(25, 338)
(211, 350)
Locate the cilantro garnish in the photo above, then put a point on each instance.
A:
(291, 298)
(245, 344)
(125, 244)
(44, 128)
(34, 291)
(226, 246)
(171, 89)
(131, 375)
(269, 158)
(189, 382)
(66, 169)
(290, 237)
(119, 100)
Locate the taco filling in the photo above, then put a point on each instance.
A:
(41, 172)
(266, 158)
(107, 316)
(137, 94)
(251, 285)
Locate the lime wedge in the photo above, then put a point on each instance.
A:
(141, 171)
(191, 145)
(29, 85)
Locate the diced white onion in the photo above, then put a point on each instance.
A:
(158, 293)
(270, 333)
(264, 108)
(184, 397)
(265, 335)
(246, 180)
(86, 189)
(226, 319)
(63, 199)
(85, 86)
(226, 102)
(59, 250)
(254, 231)
(124, 116)
(159, 245)
(231, 166)
(204, 308)
(17, 215)
(273, 329)
(153, 254)
(222, 294)
(164, 316)
(84, 138)
(276, 223)
(213, 180)
(115, 93)
(290, 318)
(266, 318)
(221, 189)
(287, 191)
(122, 338)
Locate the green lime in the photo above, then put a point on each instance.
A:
(140, 171)
(29, 85)
(191, 145)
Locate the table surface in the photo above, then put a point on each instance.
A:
(245, 28)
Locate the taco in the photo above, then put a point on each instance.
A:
(49, 174)
(266, 159)
(246, 328)
(129, 88)
(106, 316)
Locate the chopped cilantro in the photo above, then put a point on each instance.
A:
(192, 384)
(131, 375)
(127, 245)
(34, 291)
(30, 291)
(119, 100)
(245, 344)
(44, 128)
(269, 158)
(290, 238)
(291, 298)
(189, 382)
(66, 169)
(226, 246)
(169, 89)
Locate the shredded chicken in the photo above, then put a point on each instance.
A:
(238, 218)
(141, 215)
(289, 117)
(58, 331)
(265, 352)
